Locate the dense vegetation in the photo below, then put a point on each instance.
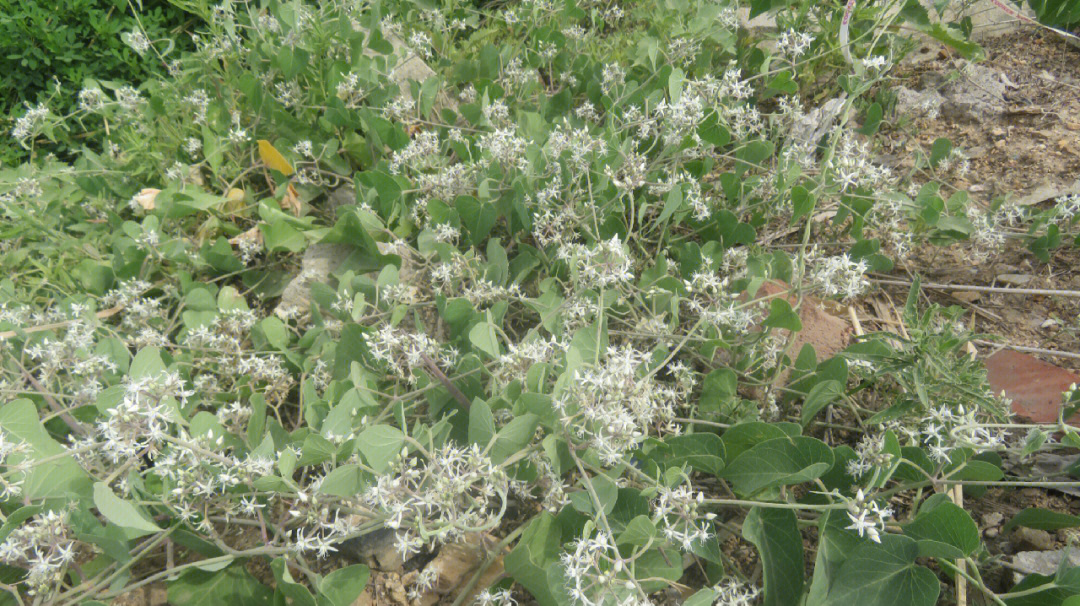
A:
(571, 260)
(50, 50)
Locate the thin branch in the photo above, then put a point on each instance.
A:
(1049, 292)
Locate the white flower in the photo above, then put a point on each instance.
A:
(875, 63)
(860, 524)
(867, 518)
(794, 43)
(137, 41)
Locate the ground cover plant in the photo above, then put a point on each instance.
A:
(571, 264)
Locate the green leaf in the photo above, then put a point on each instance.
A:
(778, 462)
(481, 423)
(482, 336)
(820, 396)
(95, 277)
(315, 449)
(782, 316)
(718, 390)
(882, 574)
(514, 436)
(294, 592)
(872, 119)
(638, 532)
(277, 335)
(291, 60)
(1042, 519)
(802, 202)
(753, 156)
(233, 586)
(775, 533)
(1065, 583)
(944, 522)
(280, 236)
(380, 444)
(704, 597)
(343, 586)
(742, 437)
(350, 230)
(954, 38)
(61, 475)
(940, 150)
(702, 451)
(672, 204)
(147, 363)
(537, 553)
(120, 512)
(344, 481)
(606, 492)
(656, 564)
(478, 218)
(16, 519)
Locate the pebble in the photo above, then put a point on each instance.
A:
(1033, 539)
(1015, 279)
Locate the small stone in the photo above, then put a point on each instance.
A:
(1043, 562)
(375, 549)
(1015, 279)
(993, 519)
(966, 296)
(1033, 539)
(991, 532)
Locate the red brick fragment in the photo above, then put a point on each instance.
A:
(1034, 386)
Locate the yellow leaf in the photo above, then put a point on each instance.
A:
(273, 158)
(235, 200)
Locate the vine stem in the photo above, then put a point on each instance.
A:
(961, 573)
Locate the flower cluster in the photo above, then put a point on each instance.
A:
(44, 545)
(946, 428)
(870, 455)
(732, 592)
(680, 518)
(838, 275)
(439, 498)
(613, 406)
(867, 517)
(139, 422)
(404, 352)
(596, 572)
(14, 476)
(710, 298)
(606, 264)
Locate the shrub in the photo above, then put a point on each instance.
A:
(49, 48)
(559, 287)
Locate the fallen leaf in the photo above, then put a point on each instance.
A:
(291, 200)
(253, 235)
(145, 198)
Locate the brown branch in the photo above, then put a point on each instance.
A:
(429, 364)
